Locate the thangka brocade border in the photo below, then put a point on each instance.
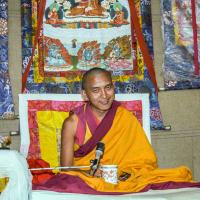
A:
(138, 80)
(6, 99)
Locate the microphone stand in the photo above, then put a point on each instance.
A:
(99, 152)
(94, 166)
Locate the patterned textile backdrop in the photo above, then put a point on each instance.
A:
(181, 27)
(6, 101)
(74, 38)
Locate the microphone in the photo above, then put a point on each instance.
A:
(99, 152)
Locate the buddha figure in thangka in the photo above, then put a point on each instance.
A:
(87, 8)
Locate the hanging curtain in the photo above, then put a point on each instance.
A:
(6, 100)
(181, 31)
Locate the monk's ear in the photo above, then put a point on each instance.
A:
(84, 95)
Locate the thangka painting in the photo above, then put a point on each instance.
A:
(6, 101)
(79, 36)
(181, 30)
(75, 36)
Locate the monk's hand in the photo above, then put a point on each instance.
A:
(98, 173)
(124, 176)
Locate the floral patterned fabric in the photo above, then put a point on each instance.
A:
(6, 101)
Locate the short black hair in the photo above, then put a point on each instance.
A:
(93, 71)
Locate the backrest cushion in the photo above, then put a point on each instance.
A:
(41, 118)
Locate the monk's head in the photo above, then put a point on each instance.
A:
(98, 88)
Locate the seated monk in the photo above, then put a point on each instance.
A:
(126, 145)
(88, 8)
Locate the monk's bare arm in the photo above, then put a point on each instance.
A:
(67, 140)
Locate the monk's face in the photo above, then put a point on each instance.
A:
(99, 91)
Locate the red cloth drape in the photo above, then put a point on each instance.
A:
(39, 23)
(195, 38)
(147, 58)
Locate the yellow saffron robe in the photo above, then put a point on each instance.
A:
(127, 146)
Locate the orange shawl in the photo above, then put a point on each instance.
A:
(127, 146)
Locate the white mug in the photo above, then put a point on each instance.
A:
(109, 173)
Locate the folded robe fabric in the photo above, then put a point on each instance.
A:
(39, 177)
(127, 146)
